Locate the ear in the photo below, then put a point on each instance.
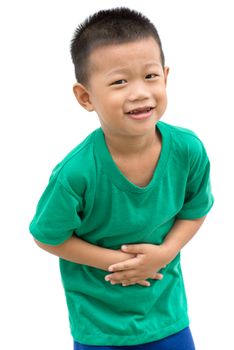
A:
(83, 96)
(166, 72)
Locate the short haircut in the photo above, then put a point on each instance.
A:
(107, 27)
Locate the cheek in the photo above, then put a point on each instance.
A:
(160, 91)
(161, 94)
(161, 98)
(109, 104)
(115, 100)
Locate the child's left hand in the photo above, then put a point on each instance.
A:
(149, 259)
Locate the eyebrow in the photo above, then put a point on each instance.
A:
(123, 69)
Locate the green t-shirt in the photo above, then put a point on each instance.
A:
(87, 195)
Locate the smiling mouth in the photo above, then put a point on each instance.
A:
(140, 113)
(140, 110)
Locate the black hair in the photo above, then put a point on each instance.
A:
(114, 26)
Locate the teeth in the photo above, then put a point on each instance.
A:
(140, 111)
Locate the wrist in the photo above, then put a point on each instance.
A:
(125, 256)
(117, 256)
(169, 252)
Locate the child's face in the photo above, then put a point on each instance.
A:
(123, 78)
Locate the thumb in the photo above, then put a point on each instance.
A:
(133, 248)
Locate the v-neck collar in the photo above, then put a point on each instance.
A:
(110, 168)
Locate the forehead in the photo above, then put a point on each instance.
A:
(110, 59)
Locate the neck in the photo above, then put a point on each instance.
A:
(130, 146)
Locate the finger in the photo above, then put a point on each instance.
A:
(141, 282)
(157, 276)
(133, 248)
(144, 283)
(125, 265)
(136, 281)
(128, 284)
(123, 282)
(118, 277)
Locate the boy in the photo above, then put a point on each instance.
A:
(135, 181)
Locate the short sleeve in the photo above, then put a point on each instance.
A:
(198, 194)
(57, 214)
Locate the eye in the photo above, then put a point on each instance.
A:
(151, 76)
(119, 82)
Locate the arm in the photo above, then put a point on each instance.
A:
(81, 252)
(151, 258)
(180, 234)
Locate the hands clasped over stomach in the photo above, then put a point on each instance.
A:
(148, 260)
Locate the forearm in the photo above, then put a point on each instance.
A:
(150, 258)
(180, 234)
(81, 252)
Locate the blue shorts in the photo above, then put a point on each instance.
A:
(182, 340)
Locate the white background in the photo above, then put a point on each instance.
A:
(41, 122)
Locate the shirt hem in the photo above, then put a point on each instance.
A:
(39, 237)
(191, 214)
(118, 340)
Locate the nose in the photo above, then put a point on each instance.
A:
(138, 91)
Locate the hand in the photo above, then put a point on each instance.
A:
(149, 259)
